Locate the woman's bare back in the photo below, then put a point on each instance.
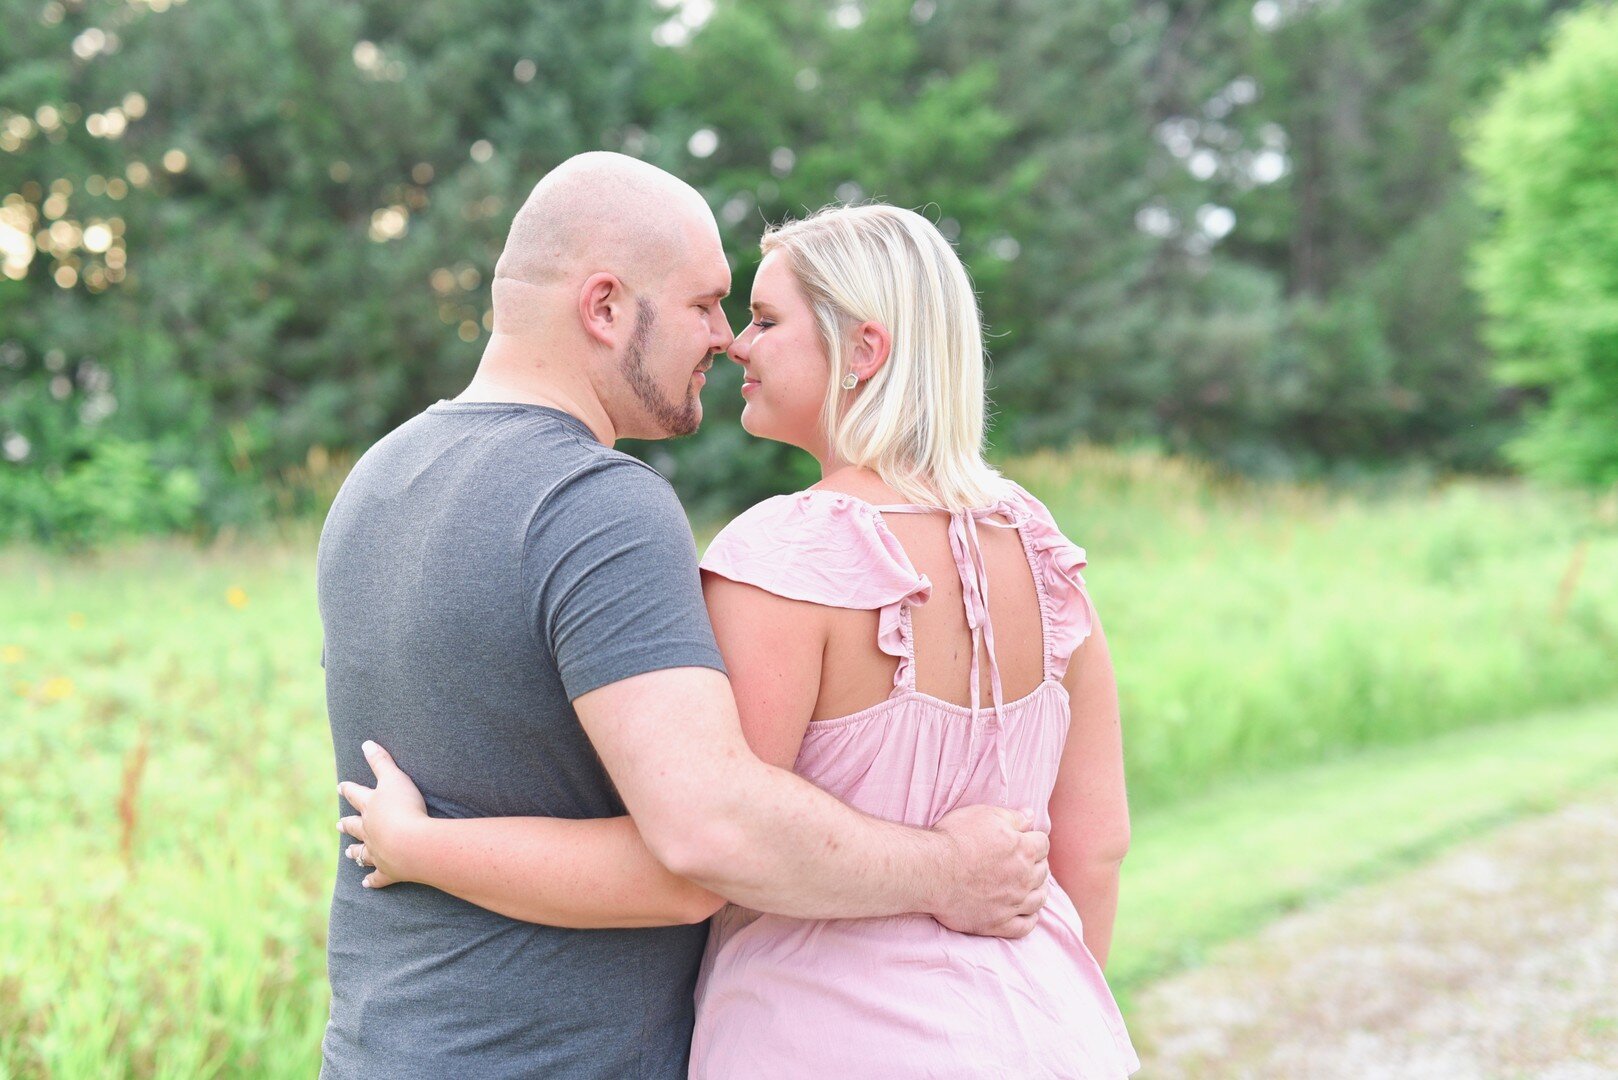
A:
(856, 674)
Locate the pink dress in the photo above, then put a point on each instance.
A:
(903, 996)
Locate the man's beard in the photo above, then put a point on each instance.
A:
(674, 420)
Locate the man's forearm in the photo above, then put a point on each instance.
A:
(777, 843)
(590, 874)
(714, 813)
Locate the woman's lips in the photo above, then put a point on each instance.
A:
(748, 384)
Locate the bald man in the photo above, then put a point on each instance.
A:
(513, 609)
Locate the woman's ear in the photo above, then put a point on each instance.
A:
(604, 308)
(872, 344)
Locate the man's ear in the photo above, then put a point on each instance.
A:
(604, 308)
(872, 344)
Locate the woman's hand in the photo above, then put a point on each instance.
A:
(390, 815)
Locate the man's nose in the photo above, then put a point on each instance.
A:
(725, 335)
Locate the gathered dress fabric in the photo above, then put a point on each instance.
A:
(904, 997)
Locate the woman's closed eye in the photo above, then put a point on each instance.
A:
(763, 324)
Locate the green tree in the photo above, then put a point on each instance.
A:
(235, 233)
(305, 198)
(778, 109)
(1378, 354)
(1251, 222)
(1547, 268)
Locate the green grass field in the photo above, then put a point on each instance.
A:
(1296, 665)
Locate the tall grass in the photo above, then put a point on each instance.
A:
(1253, 626)
(166, 807)
(166, 785)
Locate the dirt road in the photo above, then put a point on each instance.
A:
(1497, 960)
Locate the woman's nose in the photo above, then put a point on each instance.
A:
(739, 348)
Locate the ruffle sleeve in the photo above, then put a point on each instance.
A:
(819, 546)
(1070, 615)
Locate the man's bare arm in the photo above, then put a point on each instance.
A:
(714, 813)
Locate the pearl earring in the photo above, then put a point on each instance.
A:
(850, 381)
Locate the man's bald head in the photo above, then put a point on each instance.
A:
(597, 212)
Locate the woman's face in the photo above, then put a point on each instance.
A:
(784, 364)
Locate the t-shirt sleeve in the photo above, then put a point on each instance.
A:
(610, 568)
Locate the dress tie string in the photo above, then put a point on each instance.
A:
(967, 548)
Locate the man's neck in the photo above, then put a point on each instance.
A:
(494, 381)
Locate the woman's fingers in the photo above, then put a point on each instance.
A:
(358, 795)
(361, 855)
(393, 795)
(378, 758)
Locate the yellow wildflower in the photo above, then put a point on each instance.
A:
(57, 688)
(236, 597)
(11, 654)
(75, 619)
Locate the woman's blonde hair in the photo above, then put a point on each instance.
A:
(919, 421)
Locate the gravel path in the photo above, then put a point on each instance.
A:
(1497, 960)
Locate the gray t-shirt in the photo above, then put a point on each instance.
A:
(482, 567)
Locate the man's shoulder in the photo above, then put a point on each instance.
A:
(536, 452)
(610, 481)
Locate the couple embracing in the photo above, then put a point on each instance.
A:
(843, 800)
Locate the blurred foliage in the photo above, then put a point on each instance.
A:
(809, 112)
(310, 199)
(114, 488)
(1234, 229)
(1548, 269)
(236, 234)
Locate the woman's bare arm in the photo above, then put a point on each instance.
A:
(589, 874)
(773, 649)
(1089, 810)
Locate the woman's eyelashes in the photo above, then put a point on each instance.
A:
(763, 324)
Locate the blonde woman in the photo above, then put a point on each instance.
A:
(911, 634)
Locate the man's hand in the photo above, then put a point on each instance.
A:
(1002, 867)
(388, 815)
